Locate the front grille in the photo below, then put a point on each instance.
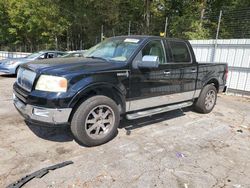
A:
(25, 79)
(20, 93)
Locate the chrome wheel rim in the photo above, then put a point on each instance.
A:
(210, 99)
(99, 122)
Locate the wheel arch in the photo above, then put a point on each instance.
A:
(214, 82)
(107, 90)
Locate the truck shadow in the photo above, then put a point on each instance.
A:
(130, 125)
(56, 134)
(63, 134)
(8, 76)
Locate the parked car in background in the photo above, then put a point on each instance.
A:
(10, 66)
(79, 53)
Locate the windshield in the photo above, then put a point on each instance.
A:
(114, 49)
(34, 55)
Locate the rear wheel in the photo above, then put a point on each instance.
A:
(95, 121)
(207, 99)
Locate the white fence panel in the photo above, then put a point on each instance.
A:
(6, 54)
(235, 52)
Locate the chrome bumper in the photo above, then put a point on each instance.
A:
(43, 115)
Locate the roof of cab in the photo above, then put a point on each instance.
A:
(147, 37)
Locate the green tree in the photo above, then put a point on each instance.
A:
(76, 24)
(35, 22)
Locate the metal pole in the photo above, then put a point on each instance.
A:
(56, 42)
(166, 25)
(217, 36)
(81, 45)
(129, 26)
(102, 33)
(79, 39)
(218, 27)
(67, 40)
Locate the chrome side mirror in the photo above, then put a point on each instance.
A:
(149, 61)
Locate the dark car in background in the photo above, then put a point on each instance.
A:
(10, 66)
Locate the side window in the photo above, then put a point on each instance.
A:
(180, 52)
(50, 55)
(154, 48)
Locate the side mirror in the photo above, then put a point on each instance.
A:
(149, 61)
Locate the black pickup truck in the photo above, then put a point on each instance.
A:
(133, 76)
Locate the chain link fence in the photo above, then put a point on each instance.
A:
(228, 24)
(229, 43)
(220, 24)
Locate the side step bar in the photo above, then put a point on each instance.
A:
(154, 111)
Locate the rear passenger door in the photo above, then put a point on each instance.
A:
(181, 59)
(172, 82)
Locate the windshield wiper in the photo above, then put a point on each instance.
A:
(96, 57)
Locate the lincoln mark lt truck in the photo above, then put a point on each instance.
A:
(129, 76)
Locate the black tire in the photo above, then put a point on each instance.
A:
(201, 105)
(79, 123)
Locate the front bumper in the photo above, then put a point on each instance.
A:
(42, 115)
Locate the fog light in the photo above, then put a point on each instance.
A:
(40, 112)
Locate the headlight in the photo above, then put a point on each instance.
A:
(52, 83)
(10, 62)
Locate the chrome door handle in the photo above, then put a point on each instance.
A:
(166, 72)
(193, 70)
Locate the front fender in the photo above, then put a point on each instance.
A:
(92, 84)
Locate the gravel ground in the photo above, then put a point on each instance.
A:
(175, 149)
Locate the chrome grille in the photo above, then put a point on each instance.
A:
(25, 79)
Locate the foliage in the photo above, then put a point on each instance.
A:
(30, 25)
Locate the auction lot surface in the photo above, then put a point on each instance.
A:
(175, 149)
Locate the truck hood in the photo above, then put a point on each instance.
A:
(64, 66)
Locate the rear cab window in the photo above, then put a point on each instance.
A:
(179, 52)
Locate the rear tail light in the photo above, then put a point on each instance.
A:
(226, 73)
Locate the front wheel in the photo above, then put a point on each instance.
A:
(95, 121)
(207, 99)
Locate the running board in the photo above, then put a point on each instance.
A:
(159, 110)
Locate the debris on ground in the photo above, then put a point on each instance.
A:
(180, 155)
(239, 131)
(38, 174)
